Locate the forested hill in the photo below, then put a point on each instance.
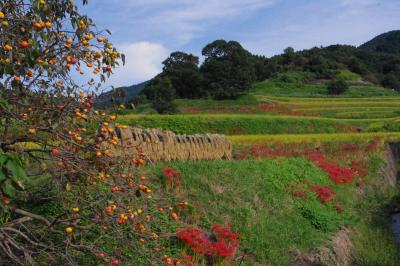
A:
(119, 95)
(229, 70)
(388, 42)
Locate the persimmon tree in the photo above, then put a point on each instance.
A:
(63, 196)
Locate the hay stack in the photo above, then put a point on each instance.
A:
(162, 145)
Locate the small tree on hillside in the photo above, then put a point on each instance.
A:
(164, 95)
(336, 87)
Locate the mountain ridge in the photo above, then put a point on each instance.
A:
(388, 42)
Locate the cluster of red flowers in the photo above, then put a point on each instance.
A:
(338, 174)
(172, 177)
(339, 150)
(168, 171)
(264, 151)
(324, 193)
(269, 108)
(220, 243)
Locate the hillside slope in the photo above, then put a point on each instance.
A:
(106, 99)
(388, 42)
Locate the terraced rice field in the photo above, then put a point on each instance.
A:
(260, 114)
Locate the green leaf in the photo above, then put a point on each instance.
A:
(15, 167)
(2, 176)
(8, 189)
(3, 159)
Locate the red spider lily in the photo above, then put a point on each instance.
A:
(173, 177)
(324, 193)
(168, 171)
(220, 243)
(316, 156)
(339, 175)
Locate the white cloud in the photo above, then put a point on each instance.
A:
(143, 62)
(180, 21)
(357, 7)
(358, 3)
(188, 19)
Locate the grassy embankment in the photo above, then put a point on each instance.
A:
(255, 196)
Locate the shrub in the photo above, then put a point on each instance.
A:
(336, 87)
(164, 95)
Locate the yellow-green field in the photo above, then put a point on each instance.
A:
(314, 138)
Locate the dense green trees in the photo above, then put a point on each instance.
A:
(228, 69)
(376, 67)
(183, 71)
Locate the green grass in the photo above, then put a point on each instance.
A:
(254, 196)
(304, 84)
(281, 88)
(352, 112)
(368, 91)
(242, 124)
(367, 114)
(374, 244)
(347, 75)
(334, 101)
(202, 103)
(237, 124)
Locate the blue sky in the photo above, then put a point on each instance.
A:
(148, 30)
